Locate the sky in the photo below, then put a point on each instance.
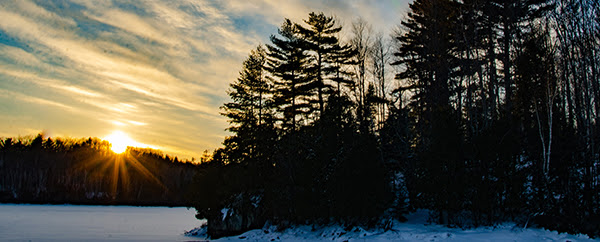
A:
(157, 71)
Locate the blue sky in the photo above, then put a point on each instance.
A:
(155, 70)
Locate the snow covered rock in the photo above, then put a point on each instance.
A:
(240, 214)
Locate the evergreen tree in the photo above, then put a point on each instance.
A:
(288, 65)
(328, 55)
(427, 51)
(249, 112)
(514, 18)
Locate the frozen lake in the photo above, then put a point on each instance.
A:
(95, 223)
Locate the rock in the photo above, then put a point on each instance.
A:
(240, 213)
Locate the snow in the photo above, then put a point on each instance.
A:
(225, 212)
(416, 229)
(95, 223)
(126, 223)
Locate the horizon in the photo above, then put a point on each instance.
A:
(156, 71)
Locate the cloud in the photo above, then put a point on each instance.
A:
(381, 13)
(35, 100)
(133, 24)
(19, 56)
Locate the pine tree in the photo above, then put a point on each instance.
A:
(513, 18)
(249, 109)
(328, 55)
(288, 65)
(428, 53)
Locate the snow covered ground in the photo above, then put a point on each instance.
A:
(126, 223)
(95, 223)
(413, 230)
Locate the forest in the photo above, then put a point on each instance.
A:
(86, 171)
(482, 112)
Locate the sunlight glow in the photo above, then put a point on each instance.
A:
(119, 141)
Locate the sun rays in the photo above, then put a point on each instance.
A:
(120, 174)
(119, 171)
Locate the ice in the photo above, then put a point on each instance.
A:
(95, 223)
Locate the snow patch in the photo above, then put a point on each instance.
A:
(198, 232)
(256, 201)
(225, 213)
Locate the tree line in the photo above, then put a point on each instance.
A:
(490, 117)
(85, 171)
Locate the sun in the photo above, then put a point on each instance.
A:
(119, 141)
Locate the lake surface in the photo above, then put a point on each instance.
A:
(95, 223)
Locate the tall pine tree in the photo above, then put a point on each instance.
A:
(288, 65)
(328, 53)
(249, 109)
(428, 53)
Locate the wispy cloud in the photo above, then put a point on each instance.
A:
(35, 100)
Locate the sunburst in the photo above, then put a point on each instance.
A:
(119, 141)
(115, 170)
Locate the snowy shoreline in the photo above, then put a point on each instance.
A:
(415, 229)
